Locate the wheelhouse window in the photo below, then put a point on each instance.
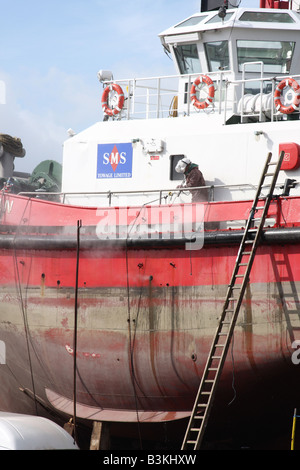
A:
(187, 58)
(194, 20)
(275, 55)
(219, 19)
(266, 17)
(217, 55)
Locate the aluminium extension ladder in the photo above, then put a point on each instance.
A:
(236, 289)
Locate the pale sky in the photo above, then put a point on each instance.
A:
(51, 51)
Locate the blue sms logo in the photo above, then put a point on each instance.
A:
(114, 161)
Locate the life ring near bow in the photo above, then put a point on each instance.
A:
(210, 95)
(294, 106)
(113, 111)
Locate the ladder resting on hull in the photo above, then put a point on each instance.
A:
(235, 292)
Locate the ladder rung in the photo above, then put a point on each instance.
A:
(272, 163)
(195, 429)
(249, 241)
(243, 264)
(269, 174)
(239, 275)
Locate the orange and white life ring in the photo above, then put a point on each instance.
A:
(287, 82)
(211, 92)
(116, 109)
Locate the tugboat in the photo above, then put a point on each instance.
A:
(114, 273)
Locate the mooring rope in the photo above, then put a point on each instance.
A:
(12, 145)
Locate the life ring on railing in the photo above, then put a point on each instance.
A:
(211, 92)
(113, 111)
(287, 82)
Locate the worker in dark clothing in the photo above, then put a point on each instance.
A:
(192, 179)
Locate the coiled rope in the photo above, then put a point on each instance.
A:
(12, 145)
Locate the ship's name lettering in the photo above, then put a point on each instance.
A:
(81, 354)
(6, 206)
(2, 352)
(296, 354)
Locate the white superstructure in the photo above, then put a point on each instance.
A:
(246, 54)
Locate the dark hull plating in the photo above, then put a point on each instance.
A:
(142, 343)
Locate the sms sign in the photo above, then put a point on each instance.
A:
(114, 161)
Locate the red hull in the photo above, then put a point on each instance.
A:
(146, 314)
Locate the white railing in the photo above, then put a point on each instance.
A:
(137, 202)
(150, 197)
(263, 104)
(169, 96)
(165, 96)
